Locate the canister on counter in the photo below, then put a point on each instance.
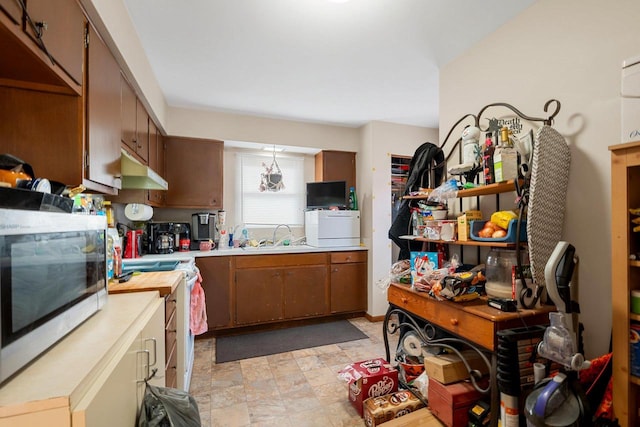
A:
(635, 302)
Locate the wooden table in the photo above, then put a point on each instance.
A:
(473, 321)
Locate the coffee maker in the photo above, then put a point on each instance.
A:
(203, 228)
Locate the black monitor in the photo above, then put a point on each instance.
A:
(327, 194)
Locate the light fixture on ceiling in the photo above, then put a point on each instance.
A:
(273, 149)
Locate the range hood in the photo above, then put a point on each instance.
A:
(137, 176)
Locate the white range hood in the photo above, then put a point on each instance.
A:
(137, 176)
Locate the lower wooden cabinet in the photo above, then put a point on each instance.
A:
(259, 295)
(216, 272)
(305, 290)
(249, 290)
(348, 281)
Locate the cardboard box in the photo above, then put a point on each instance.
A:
(370, 378)
(378, 410)
(451, 403)
(464, 233)
(420, 418)
(448, 368)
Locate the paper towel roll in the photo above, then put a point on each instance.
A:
(138, 212)
(412, 344)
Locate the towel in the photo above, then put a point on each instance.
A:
(198, 318)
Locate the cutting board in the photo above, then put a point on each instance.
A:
(164, 282)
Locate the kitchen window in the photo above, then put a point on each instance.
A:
(268, 208)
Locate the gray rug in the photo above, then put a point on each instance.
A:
(245, 346)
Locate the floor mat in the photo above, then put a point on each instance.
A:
(245, 346)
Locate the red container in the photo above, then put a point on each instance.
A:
(131, 248)
(451, 403)
(371, 378)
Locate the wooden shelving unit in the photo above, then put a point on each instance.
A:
(399, 174)
(625, 276)
(483, 190)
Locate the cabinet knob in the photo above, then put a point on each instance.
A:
(404, 300)
(454, 322)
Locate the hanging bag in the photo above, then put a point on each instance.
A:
(168, 407)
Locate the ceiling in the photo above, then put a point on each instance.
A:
(334, 62)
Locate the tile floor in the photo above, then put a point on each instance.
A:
(299, 388)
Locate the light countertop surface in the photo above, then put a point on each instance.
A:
(263, 250)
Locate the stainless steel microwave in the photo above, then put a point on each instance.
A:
(53, 276)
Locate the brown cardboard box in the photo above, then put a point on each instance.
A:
(464, 233)
(378, 410)
(370, 378)
(420, 418)
(448, 368)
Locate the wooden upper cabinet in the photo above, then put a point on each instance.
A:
(12, 9)
(142, 132)
(156, 162)
(102, 113)
(128, 105)
(194, 171)
(62, 27)
(336, 166)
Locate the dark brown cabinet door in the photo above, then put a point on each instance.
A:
(156, 162)
(12, 9)
(348, 287)
(128, 105)
(216, 283)
(305, 291)
(63, 30)
(259, 295)
(142, 132)
(336, 166)
(194, 172)
(103, 113)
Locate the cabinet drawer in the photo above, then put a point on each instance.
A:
(256, 261)
(170, 304)
(171, 368)
(170, 333)
(344, 257)
(450, 318)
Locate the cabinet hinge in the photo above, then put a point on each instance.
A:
(86, 37)
(86, 160)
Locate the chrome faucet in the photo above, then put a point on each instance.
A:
(273, 239)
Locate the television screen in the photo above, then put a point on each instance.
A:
(323, 195)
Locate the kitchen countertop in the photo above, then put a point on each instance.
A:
(264, 250)
(62, 375)
(165, 282)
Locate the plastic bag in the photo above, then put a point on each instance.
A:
(448, 190)
(168, 407)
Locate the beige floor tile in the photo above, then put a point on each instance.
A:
(231, 416)
(298, 389)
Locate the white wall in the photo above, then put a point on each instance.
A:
(570, 50)
(379, 140)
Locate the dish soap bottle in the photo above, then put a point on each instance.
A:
(353, 199)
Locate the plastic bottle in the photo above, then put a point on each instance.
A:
(111, 222)
(353, 199)
(487, 160)
(505, 158)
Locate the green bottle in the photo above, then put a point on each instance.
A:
(353, 199)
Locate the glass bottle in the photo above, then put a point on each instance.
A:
(487, 160)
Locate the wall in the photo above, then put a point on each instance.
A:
(570, 50)
(379, 140)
